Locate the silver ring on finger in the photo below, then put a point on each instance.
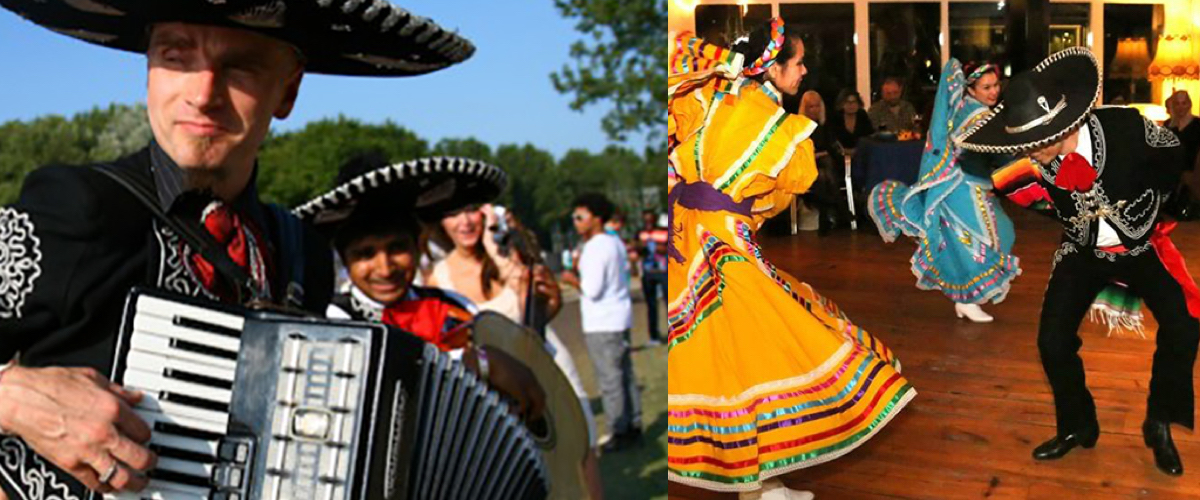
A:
(108, 474)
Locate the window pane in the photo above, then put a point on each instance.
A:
(978, 33)
(828, 33)
(904, 44)
(722, 24)
(1070, 24)
(1125, 77)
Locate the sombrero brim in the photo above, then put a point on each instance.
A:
(1073, 70)
(340, 37)
(429, 187)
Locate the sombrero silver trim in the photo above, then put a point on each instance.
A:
(337, 203)
(342, 37)
(962, 140)
(1041, 120)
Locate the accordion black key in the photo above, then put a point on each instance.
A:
(251, 405)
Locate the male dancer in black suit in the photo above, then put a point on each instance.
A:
(1105, 172)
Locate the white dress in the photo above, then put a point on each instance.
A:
(509, 304)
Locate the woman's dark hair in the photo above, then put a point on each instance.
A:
(597, 204)
(490, 272)
(971, 66)
(846, 93)
(753, 47)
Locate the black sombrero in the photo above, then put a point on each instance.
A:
(341, 37)
(1040, 106)
(428, 188)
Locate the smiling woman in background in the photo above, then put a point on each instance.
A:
(475, 269)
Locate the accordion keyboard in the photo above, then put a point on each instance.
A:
(257, 406)
(184, 359)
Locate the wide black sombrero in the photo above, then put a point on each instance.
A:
(341, 37)
(1040, 106)
(427, 187)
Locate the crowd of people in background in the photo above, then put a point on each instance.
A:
(485, 255)
(837, 135)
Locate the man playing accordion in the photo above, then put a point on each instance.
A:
(79, 238)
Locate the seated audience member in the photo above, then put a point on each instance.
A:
(849, 122)
(1187, 127)
(892, 113)
(824, 194)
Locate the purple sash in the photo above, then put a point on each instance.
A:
(699, 196)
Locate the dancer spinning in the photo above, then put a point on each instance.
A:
(764, 376)
(1105, 172)
(963, 236)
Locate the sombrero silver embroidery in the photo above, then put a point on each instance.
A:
(341, 37)
(427, 186)
(1040, 106)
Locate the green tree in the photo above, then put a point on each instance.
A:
(126, 131)
(466, 148)
(620, 61)
(86, 137)
(297, 166)
(530, 172)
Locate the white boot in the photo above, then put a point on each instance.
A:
(973, 312)
(773, 489)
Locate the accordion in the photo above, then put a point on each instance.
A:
(251, 405)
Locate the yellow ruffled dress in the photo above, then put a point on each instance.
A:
(765, 376)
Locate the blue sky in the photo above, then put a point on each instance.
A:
(501, 95)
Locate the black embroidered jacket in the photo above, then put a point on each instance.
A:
(70, 250)
(1138, 164)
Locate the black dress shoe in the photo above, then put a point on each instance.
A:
(1158, 438)
(1060, 445)
(824, 225)
(622, 441)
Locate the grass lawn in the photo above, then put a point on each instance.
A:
(641, 472)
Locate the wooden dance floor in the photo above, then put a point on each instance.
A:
(983, 402)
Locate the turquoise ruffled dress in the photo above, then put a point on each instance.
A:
(964, 239)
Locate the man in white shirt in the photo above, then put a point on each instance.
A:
(603, 282)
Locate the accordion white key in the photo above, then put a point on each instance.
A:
(247, 405)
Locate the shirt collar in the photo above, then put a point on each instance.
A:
(366, 300)
(1084, 146)
(169, 185)
(772, 92)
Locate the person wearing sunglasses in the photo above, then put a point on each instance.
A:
(603, 283)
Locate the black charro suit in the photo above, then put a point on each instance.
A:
(1138, 163)
(71, 248)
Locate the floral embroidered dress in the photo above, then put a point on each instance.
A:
(765, 376)
(964, 239)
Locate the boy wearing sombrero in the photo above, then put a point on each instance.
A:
(372, 216)
(218, 73)
(375, 217)
(1105, 171)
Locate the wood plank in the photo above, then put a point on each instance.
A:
(983, 401)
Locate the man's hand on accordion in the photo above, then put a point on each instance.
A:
(513, 379)
(80, 421)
